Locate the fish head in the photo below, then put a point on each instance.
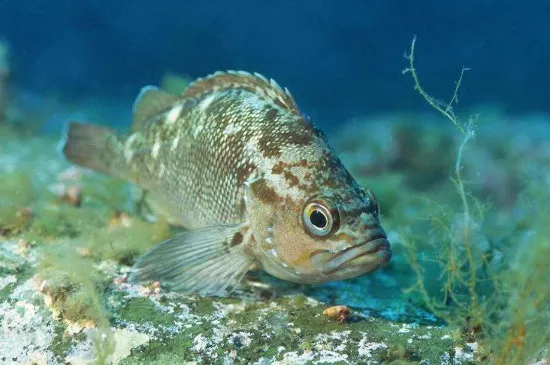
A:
(332, 234)
(348, 237)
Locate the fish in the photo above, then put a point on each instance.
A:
(253, 183)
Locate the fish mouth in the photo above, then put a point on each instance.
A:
(367, 256)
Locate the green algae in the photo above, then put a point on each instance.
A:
(123, 244)
(17, 195)
(64, 264)
(72, 285)
(105, 194)
(498, 303)
(21, 272)
(168, 351)
(53, 221)
(62, 343)
(524, 297)
(260, 329)
(143, 310)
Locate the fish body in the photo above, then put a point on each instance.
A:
(252, 180)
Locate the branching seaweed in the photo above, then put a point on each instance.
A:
(508, 311)
(453, 272)
(447, 109)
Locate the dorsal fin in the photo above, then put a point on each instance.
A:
(245, 81)
(150, 102)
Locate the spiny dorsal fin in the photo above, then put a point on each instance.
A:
(150, 102)
(242, 80)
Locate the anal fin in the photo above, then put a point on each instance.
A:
(208, 261)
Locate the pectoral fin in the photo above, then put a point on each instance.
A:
(207, 261)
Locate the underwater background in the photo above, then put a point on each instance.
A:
(459, 159)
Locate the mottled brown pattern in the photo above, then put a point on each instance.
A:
(302, 134)
(262, 191)
(270, 113)
(271, 150)
(237, 239)
(281, 166)
(244, 170)
(278, 168)
(309, 189)
(292, 179)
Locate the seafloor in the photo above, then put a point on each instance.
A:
(460, 289)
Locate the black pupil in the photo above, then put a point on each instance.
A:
(318, 219)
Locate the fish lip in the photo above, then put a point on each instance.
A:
(377, 243)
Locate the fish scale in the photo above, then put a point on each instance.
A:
(254, 182)
(197, 180)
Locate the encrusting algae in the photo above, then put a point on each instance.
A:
(253, 181)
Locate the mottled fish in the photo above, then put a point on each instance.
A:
(254, 183)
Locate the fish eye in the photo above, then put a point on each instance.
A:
(319, 218)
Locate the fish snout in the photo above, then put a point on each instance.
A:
(372, 251)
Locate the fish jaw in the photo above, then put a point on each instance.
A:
(355, 260)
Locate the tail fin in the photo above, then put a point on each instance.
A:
(92, 146)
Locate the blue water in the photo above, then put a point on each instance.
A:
(339, 58)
